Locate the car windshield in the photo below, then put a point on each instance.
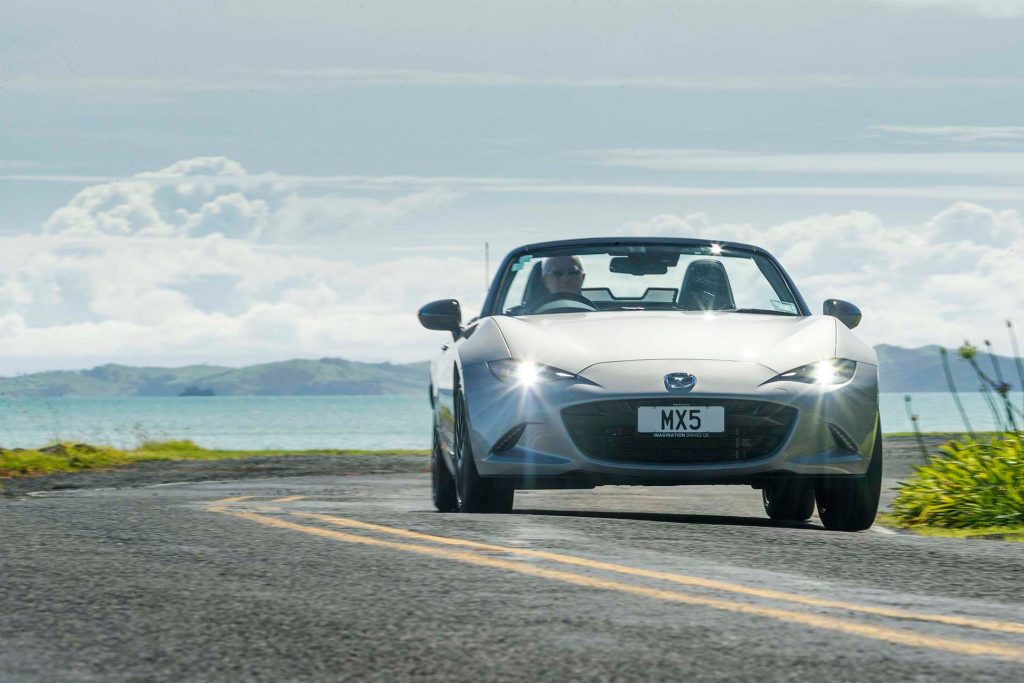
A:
(645, 277)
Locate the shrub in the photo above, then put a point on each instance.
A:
(59, 457)
(161, 446)
(973, 484)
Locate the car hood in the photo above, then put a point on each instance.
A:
(576, 341)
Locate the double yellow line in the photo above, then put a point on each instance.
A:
(483, 554)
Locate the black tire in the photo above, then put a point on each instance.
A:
(851, 504)
(474, 493)
(442, 483)
(788, 500)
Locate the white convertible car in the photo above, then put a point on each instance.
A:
(655, 362)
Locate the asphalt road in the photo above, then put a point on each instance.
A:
(355, 577)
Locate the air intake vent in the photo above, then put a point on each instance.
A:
(509, 439)
(842, 439)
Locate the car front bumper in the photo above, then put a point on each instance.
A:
(545, 455)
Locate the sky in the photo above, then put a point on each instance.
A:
(246, 181)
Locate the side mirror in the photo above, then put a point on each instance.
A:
(445, 315)
(847, 313)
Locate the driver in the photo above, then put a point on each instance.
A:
(562, 277)
(563, 274)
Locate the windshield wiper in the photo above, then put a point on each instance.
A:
(766, 311)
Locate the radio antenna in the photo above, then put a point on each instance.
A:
(487, 265)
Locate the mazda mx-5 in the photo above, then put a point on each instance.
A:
(655, 362)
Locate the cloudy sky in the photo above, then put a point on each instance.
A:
(243, 180)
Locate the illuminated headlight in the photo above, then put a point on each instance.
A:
(824, 372)
(526, 373)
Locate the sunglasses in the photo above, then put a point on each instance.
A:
(575, 271)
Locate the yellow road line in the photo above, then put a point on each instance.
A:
(258, 508)
(684, 579)
(827, 622)
(287, 499)
(235, 499)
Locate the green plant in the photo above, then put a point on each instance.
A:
(913, 417)
(72, 457)
(169, 446)
(971, 485)
(989, 386)
(952, 390)
(1016, 358)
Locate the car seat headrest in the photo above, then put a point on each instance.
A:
(706, 287)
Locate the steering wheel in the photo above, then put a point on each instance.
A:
(544, 305)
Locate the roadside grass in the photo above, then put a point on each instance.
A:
(973, 488)
(71, 457)
(999, 533)
(947, 435)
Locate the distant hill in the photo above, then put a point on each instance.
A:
(920, 369)
(326, 376)
(901, 369)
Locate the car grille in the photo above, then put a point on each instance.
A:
(607, 430)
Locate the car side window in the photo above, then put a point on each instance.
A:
(519, 291)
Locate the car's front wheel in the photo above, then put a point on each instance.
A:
(442, 483)
(473, 492)
(788, 500)
(850, 504)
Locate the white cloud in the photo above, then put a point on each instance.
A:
(202, 167)
(11, 325)
(299, 218)
(941, 192)
(973, 224)
(969, 134)
(996, 192)
(306, 80)
(19, 164)
(215, 195)
(147, 300)
(956, 275)
(996, 9)
(292, 203)
(194, 263)
(952, 164)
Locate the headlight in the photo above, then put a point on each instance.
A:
(526, 372)
(825, 372)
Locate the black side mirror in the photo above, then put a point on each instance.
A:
(847, 313)
(445, 315)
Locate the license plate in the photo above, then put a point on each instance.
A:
(680, 420)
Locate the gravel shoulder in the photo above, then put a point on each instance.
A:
(901, 454)
(164, 472)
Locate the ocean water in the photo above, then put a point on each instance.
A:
(249, 422)
(306, 422)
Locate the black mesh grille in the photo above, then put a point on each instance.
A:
(607, 430)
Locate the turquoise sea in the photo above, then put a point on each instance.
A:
(303, 422)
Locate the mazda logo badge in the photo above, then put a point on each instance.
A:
(680, 381)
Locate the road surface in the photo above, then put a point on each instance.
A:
(355, 577)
